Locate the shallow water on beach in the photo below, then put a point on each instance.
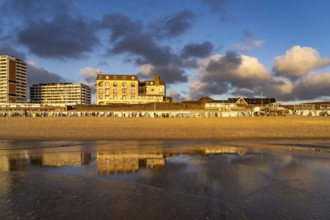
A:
(263, 179)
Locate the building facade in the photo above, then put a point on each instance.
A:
(220, 105)
(127, 89)
(12, 80)
(60, 94)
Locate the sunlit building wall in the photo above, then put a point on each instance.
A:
(127, 89)
(60, 93)
(12, 80)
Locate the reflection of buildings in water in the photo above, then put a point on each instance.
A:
(224, 150)
(119, 163)
(61, 159)
(13, 163)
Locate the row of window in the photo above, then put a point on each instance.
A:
(107, 91)
(115, 84)
(115, 91)
(124, 97)
(153, 89)
(115, 77)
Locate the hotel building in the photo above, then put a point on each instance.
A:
(12, 80)
(60, 94)
(128, 89)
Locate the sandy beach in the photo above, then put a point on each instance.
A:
(165, 128)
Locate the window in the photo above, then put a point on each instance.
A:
(133, 77)
(123, 91)
(124, 97)
(132, 91)
(107, 84)
(124, 77)
(115, 84)
(133, 97)
(100, 91)
(100, 84)
(107, 77)
(115, 77)
(107, 91)
(160, 89)
(152, 89)
(115, 91)
(124, 84)
(100, 96)
(132, 84)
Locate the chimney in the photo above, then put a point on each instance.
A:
(156, 79)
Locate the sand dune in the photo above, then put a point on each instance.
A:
(164, 128)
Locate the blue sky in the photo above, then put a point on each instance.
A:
(216, 48)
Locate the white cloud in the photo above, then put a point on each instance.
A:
(299, 61)
(220, 74)
(89, 74)
(146, 70)
(237, 70)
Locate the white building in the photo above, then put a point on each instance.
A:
(220, 105)
(60, 94)
(12, 80)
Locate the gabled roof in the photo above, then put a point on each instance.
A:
(254, 101)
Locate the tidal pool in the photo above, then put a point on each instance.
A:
(264, 179)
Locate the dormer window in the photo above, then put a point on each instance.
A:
(100, 77)
(115, 77)
(124, 77)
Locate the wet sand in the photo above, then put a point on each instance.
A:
(165, 128)
(112, 180)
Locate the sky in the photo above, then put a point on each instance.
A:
(216, 48)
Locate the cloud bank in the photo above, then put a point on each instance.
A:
(293, 77)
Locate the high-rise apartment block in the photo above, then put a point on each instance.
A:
(12, 80)
(128, 89)
(60, 94)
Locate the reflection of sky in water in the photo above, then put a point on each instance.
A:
(256, 180)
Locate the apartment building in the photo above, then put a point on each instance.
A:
(128, 89)
(60, 93)
(12, 80)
